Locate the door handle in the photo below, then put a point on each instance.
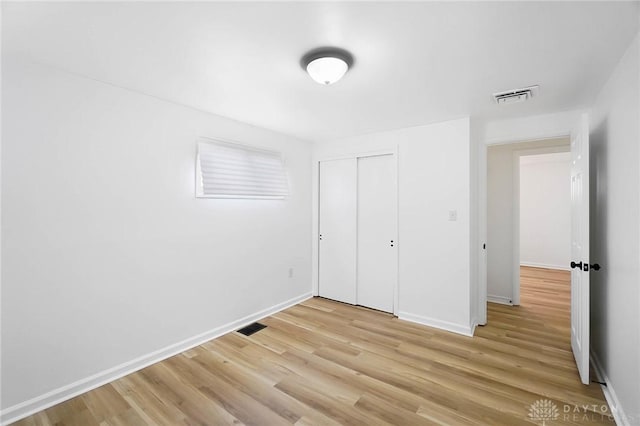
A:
(579, 265)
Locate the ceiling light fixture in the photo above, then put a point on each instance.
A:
(326, 65)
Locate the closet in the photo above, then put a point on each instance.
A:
(357, 245)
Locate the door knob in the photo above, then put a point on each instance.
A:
(576, 265)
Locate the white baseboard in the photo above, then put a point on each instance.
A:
(474, 324)
(545, 265)
(465, 330)
(499, 299)
(609, 393)
(56, 396)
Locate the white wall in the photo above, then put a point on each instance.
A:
(107, 255)
(545, 210)
(615, 227)
(435, 268)
(434, 253)
(503, 255)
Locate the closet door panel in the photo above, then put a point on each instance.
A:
(337, 230)
(377, 258)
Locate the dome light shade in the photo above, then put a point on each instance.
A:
(326, 65)
(327, 70)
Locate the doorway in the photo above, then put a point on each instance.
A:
(545, 231)
(504, 210)
(580, 263)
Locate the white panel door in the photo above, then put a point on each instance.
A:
(337, 230)
(377, 259)
(580, 247)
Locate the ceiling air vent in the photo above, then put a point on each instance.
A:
(516, 95)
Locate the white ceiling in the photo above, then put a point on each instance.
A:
(415, 63)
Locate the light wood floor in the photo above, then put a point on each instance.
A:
(326, 363)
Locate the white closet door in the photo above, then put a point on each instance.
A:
(377, 243)
(337, 245)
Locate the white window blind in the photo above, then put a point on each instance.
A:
(227, 170)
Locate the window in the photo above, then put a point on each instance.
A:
(229, 170)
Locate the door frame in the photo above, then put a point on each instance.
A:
(529, 129)
(316, 218)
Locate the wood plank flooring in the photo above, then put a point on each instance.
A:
(327, 363)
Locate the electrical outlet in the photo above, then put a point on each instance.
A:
(453, 215)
